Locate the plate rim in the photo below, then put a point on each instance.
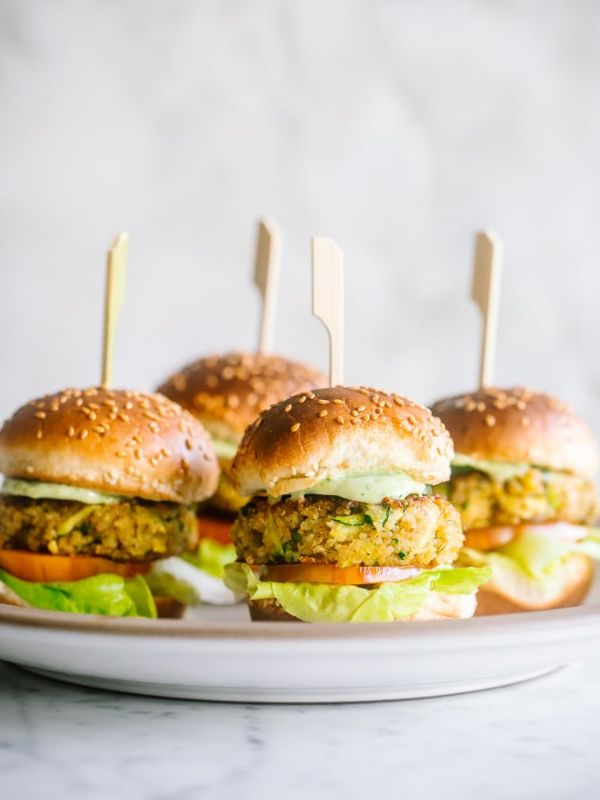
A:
(577, 622)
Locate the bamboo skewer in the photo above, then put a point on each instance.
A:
(328, 300)
(266, 278)
(113, 301)
(485, 292)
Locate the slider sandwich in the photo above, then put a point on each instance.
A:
(344, 523)
(523, 480)
(100, 485)
(226, 393)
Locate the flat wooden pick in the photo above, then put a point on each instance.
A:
(485, 292)
(266, 278)
(114, 296)
(328, 300)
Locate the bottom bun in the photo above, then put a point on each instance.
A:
(437, 606)
(571, 590)
(168, 608)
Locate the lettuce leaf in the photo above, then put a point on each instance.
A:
(109, 595)
(538, 557)
(211, 557)
(195, 578)
(192, 586)
(386, 602)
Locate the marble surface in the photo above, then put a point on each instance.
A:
(396, 126)
(533, 740)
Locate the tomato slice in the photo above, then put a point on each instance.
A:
(45, 568)
(496, 536)
(329, 573)
(217, 528)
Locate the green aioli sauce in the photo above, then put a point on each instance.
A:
(38, 490)
(368, 488)
(498, 470)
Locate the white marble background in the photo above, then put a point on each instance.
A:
(396, 127)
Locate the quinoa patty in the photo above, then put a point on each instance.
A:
(422, 531)
(536, 496)
(129, 531)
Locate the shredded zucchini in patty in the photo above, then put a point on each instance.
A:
(422, 531)
(538, 495)
(131, 530)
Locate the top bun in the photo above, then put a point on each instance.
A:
(226, 393)
(331, 432)
(519, 426)
(139, 445)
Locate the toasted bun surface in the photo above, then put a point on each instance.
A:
(340, 430)
(437, 606)
(226, 393)
(577, 579)
(519, 425)
(114, 441)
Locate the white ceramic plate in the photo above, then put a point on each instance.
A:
(218, 654)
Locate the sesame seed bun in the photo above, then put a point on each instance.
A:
(122, 442)
(340, 430)
(226, 393)
(519, 426)
(571, 590)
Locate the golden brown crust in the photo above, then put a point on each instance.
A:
(168, 608)
(122, 442)
(226, 393)
(491, 599)
(519, 425)
(329, 432)
(269, 610)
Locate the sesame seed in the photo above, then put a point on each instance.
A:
(288, 408)
(153, 427)
(338, 401)
(302, 399)
(123, 416)
(322, 401)
(99, 429)
(295, 426)
(84, 434)
(129, 405)
(40, 415)
(361, 408)
(490, 420)
(71, 432)
(339, 420)
(39, 433)
(323, 413)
